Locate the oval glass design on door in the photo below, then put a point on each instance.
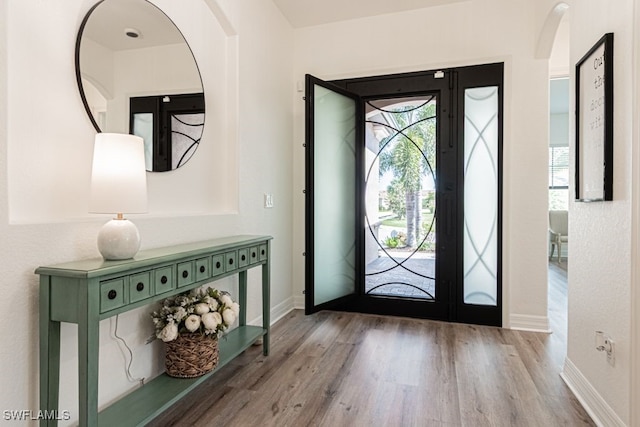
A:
(400, 158)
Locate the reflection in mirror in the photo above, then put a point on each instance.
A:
(171, 127)
(129, 49)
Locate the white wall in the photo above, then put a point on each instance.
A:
(559, 59)
(599, 287)
(634, 347)
(47, 139)
(459, 34)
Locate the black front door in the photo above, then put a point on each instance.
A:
(397, 225)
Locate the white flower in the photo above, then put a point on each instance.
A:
(218, 317)
(211, 321)
(180, 314)
(207, 310)
(226, 300)
(236, 308)
(169, 332)
(229, 316)
(202, 308)
(192, 323)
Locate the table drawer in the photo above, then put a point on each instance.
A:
(112, 294)
(163, 279)
(202, 269)
(230, 261)
(243, 257)
(186, 273)
(140, 286)
(217, 265)
(253, 255)
(262, 252)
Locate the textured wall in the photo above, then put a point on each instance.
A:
(601, 233)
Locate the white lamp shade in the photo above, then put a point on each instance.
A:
(119, 176)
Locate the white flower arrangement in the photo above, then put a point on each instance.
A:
(206, 311)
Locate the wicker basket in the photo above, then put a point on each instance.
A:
(191, 355)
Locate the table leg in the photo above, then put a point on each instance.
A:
(88, 360)
(266, 301)
(242, 297)
(49, 355)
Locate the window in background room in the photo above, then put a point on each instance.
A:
(559, 144)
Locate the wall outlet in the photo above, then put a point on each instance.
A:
(268, 200)
(611, 352)
(605, 344)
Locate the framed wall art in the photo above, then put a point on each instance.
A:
(594, 123)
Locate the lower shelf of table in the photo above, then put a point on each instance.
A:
(144, 404)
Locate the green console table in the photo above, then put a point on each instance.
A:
(88, 291)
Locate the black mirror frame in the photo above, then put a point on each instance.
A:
(78, 43)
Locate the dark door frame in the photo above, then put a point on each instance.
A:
(454, 83)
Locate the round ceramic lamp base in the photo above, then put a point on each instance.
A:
(118, 239)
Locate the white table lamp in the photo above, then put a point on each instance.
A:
(118, 186)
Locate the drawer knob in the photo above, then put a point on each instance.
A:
(112, 294)
(202, 269)
(163, 279)
(140, 287)
(218, 264)
(230, 261)
(253, 254)
(185, 274)
(244, 257)
(262, 252)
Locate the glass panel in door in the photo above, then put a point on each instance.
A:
(186, 132)
(142, 126)
(480, 286)
(332, 251)
(400, 191)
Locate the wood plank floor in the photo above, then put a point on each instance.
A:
(349, 369)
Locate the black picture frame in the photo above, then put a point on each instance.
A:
(594, 123)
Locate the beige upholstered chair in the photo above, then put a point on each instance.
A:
(558, 231)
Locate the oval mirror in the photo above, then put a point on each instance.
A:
(137, 74)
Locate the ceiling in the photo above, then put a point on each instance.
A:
(306, 13)
(108, 22)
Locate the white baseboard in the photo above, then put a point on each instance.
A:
(526, 322)
(601, 413)
(298, 302)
